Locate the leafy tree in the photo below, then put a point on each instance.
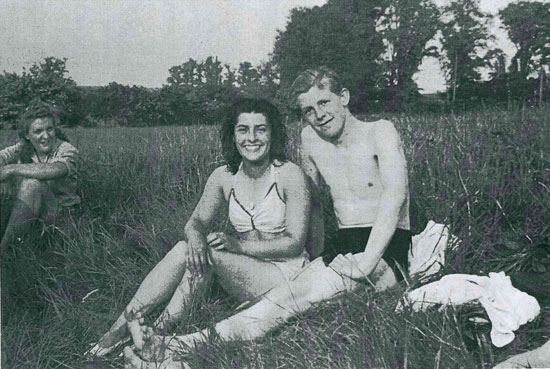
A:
(528, 26)
(498, 86)
(14, 96)
(341, 35)
(185, 74)
(464, 38)
(251, 81)
(407, 26)
(197, 90)
(47, 80)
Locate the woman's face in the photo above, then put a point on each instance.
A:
(41, 134)
(253, 137)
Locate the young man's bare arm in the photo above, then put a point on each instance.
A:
(315, 242)
(393, 173)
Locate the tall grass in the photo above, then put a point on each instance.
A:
(486, 174)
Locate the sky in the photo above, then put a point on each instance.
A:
(137, 41)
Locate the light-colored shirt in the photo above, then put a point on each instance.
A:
(64, 188)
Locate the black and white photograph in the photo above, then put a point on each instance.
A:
(306, 184)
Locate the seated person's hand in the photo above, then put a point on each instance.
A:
(196, 258)
(221, 241)
(348, 265)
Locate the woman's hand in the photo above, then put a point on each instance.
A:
(222, 241)
(197, 258)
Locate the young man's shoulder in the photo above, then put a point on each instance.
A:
(384, 124)
(308, 134)
(382, 129)
(290, 173)
(380, 124)
(288, 167)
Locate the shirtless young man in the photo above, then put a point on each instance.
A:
(364, 166)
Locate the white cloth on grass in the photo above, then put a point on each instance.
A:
(427, 253)
(507, 307)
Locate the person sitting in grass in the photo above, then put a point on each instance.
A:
(267, 201)
(364, 165)
(43, 167)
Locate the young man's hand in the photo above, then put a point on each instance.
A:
(349, 265)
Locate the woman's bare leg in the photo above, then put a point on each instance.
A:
(157, 287)
(190, 281)
(285, 301)
(245, 277)
(240, 275)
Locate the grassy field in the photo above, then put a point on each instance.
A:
(485, 174)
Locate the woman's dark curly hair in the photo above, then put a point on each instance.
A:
(36, 109)
(260, 106)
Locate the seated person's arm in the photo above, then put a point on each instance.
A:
(393, 172)
(292, 241)
(315, 242)
(42, 171)
(206, 210)
(64, 163)
(8, 155)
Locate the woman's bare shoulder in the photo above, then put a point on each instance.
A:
(221, 174)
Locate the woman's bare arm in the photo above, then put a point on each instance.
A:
(206, 210)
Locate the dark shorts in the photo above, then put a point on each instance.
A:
(354, 240)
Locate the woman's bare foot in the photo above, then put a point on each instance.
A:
(133, 361)
(135, 323)
(537, 358)
(109, 342)
(151, 346)
(114, 338)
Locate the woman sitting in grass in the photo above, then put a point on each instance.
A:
(267, 200)
(42, 167)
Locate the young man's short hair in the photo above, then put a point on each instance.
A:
(320, 77)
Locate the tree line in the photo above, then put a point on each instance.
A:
(376, 46)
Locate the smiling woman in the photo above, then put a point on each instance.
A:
(42, 167)
(268, 203)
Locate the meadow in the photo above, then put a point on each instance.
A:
(485, 174)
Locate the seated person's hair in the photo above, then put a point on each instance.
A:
(321, 77)
(227, 131)
(37, 109)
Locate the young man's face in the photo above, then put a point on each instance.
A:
(325, 111)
